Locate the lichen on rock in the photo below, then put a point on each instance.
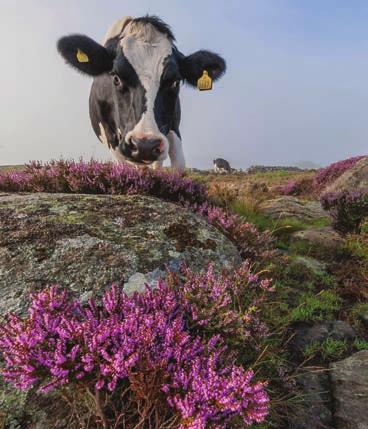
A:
(88, 242)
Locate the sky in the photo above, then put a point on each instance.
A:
(296, 88)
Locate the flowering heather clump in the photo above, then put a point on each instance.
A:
(348, 210)
(251, 243)
(138, 349)
(102, 178)
(225, 304)
(110, 178)
(330, 173)
(301, 186)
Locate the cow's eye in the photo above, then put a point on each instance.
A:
(175, 84)
(116, 80)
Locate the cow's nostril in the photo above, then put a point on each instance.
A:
(132, 145)
(156, 151)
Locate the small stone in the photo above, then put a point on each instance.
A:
(136, 283)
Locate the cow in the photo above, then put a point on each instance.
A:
(221, 166)
(134, 103)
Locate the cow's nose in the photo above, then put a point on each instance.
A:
(145, 149)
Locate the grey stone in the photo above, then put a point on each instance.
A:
(315, 412)
(354, 179)
(318, 267)
(349, 379)
(88, 242)
(336, 330)
(293, 207)
(324, 237)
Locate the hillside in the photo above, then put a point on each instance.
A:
(259, 318)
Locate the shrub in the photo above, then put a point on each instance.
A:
(299, 186)
(251, 243)
(227, 305)
(136, 356)
(102, 178)
(347, 209)
(109, 178)
(330, 173)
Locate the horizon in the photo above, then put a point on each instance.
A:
(294, 90)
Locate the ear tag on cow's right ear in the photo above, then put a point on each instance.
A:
(204, 83)
(82, 57)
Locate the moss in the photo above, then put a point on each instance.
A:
(12, 407)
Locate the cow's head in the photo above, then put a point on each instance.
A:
(144, 69)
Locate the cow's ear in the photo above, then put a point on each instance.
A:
(86, 55)
(193, 66)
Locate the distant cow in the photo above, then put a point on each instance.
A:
(134, 100)
(221, 166)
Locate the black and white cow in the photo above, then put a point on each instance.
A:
(134, 100)
(221, 166)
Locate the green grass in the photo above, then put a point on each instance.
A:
(355, 315)
(360, 344)
(322, 306)
(327, 350)
(279, 227)
(357, 246)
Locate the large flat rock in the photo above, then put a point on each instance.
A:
(292, 207)
(87, 242)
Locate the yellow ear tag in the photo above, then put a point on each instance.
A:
(204, 83)
(82, 57)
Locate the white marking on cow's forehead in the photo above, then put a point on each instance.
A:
(146, 49)
(116, 29)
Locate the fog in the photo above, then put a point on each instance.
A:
(295, 90)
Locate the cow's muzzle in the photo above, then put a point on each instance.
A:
(143, 151)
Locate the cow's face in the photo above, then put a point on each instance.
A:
(145, 70)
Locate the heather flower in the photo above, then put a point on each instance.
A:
(252, 244)
(330, 173)
(225, 304)
(102, 178)
(348, 209)
(132, 341)
(299, 186)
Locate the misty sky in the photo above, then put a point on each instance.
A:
(296, 87)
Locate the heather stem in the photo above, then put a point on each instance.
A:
(99, 410)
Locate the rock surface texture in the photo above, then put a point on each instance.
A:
(319, 332)
(87, 242)
(349, 379)
(354, 179)
(325, 237)
(287, 207)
